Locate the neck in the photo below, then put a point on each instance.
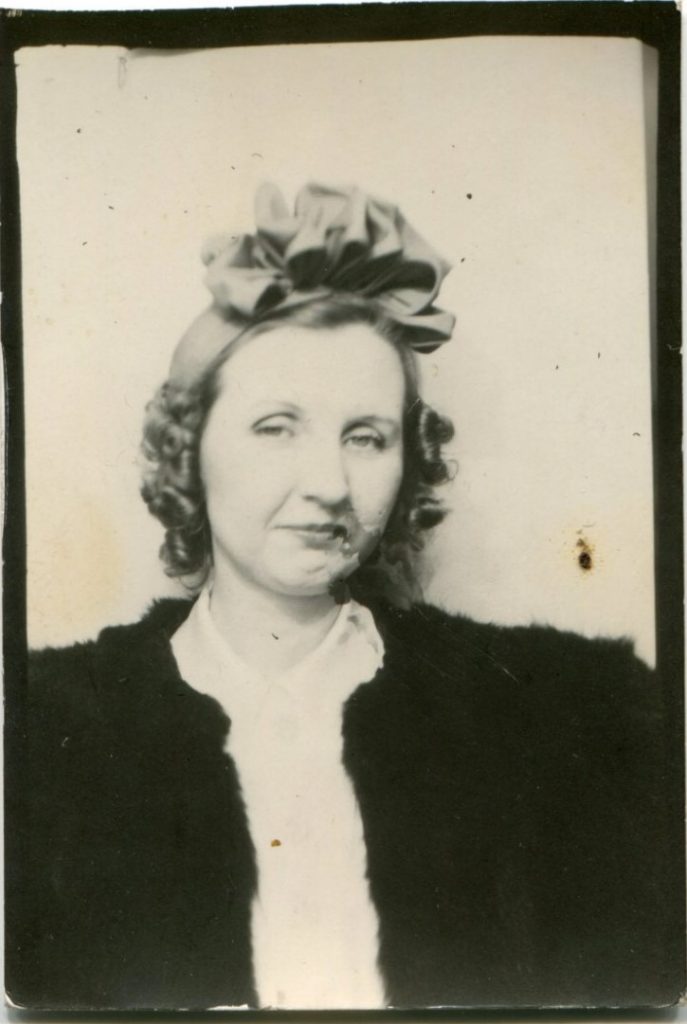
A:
(269, 631)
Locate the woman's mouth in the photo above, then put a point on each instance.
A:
(320, 535)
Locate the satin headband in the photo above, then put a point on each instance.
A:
(338, 240)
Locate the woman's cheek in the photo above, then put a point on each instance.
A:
(377, 492)
(262, 479)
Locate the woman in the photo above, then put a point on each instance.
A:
(307, 788)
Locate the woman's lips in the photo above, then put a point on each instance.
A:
(319, 535)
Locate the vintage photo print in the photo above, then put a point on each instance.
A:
(343, 647)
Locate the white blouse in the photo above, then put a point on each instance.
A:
(314, 927)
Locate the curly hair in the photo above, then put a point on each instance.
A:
(173, 491)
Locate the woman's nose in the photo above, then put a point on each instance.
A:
(323, 475)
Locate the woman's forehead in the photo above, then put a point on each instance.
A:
(348, 365)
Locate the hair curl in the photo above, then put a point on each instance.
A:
(173, 491)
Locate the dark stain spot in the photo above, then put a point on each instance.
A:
(339, 591)
(78, 131)
(636, 433)
(469, 195)
(276, 842)
(462, 259)
(584, 558)
(275, 636)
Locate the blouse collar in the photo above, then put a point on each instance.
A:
(351, 653)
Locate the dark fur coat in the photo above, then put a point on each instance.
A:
(511, 786)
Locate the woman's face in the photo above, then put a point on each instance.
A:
(302, 455)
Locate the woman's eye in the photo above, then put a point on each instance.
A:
(273, 428)
(366, 440)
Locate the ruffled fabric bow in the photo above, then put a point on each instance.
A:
(337, 240)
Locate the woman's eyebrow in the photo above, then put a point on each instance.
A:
(276, 406)
(390, 422)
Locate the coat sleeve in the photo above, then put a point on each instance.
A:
(598, 853)
(58, 715)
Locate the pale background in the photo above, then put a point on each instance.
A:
(129, 160)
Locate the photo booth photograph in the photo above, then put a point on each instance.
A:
(339, 388)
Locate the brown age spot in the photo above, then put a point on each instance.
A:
(276, 842)
(584, 557)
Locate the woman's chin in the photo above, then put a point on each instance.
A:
(313, 581)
